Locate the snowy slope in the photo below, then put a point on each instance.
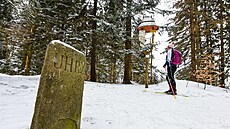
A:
(17, 99)
(118, 106)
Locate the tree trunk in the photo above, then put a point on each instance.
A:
(28, 59)
(93, 75)
(197, 35)
(192, 35)
(128, 56)
(207, 23)
(112, 77)
(29, 54)
(209, 19)
(114, 72)
(222, 76)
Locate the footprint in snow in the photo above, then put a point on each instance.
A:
(109, 121)
(89, 119)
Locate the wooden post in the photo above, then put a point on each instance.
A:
(147, 61)
(152, 56)
(147, 70)
(151, 27)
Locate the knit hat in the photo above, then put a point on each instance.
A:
(171, 45)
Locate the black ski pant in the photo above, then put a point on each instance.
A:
(170, 77)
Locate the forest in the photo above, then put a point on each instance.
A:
(106, 32)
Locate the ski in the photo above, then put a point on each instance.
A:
(170, 94)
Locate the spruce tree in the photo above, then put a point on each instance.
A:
(207, 25)
(46, 21)
(7, 40)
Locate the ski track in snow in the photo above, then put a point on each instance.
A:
(118, 106)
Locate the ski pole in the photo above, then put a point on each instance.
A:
(171, 87)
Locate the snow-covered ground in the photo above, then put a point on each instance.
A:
(118, 106)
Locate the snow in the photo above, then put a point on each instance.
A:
(147, 21)
(66, 45)
(119, 106)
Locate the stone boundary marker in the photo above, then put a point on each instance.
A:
(59, 98)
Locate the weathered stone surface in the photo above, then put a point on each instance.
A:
(59, 98)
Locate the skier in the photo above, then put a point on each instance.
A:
(171, 67)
